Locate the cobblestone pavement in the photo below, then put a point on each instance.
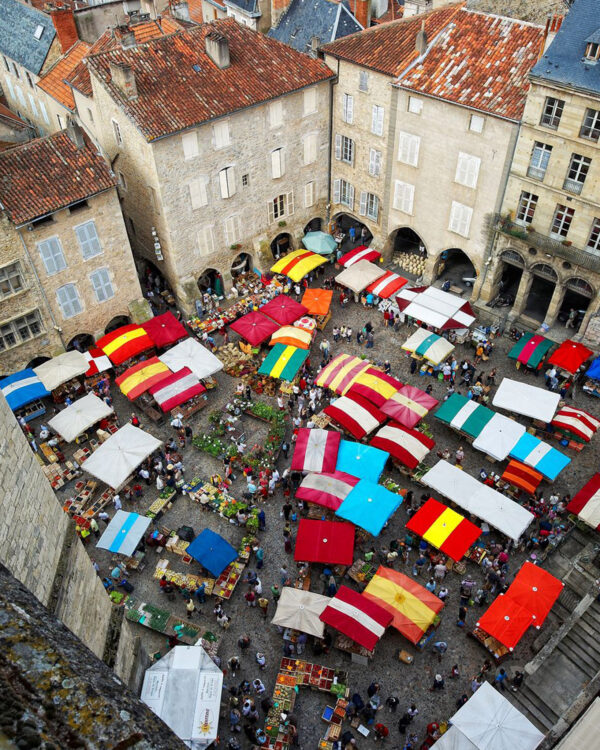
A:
(411, 683)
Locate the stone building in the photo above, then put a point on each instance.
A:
(220, 139)
(423, 135)
(66, 271)
(547, 248)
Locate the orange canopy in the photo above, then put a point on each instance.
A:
(317, 301)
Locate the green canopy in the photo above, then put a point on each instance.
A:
(464, 414)
(319, 242)
(283, 362)
(531, 349)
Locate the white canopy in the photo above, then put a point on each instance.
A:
(120, 455)
(499, 511)
(434, 348)
(190, 353)
(78, 417)
(300, 610)
(184, 690)
(488, 721)
(359, 275)
(537, 403)
(435, 307)
(59, 370)
(499, 437)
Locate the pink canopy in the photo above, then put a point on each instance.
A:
(254, 327)
(407, 446)
(356, 415)
(316, 450)
(329, 490)
(362, 252)
(283, 310)
(409, 405)
(164, 329)
(359, 618)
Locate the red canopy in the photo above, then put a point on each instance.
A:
(125, 342)
(362, 252)
(357, 617)
(577, 422)
(506, 621)
(356, 415)
(283, 310)
(254, 327)
(409, 405)
(316, 450)
(387, 285)
(570, 355)
(586, 503)
(329, 490)
(164, 329)
(176, 389)
(98, 360)
(326, 542)
(536, 590)
(407, 446)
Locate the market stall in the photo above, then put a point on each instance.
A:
(592, 383)
(315, 450)
(530, 350)
(586, 503)
(499, 436)
(97, 362)
(328, 490)
(124, 533)
(212, 551)
(283, 362)
(191, 354)
(283, 309)
(522, 477)
(298, 263)
(327, 542)
(319, 242)
(403, 443)
(341, 372)
(374, 385)
(23, 388)
(358, 276)
(176, 389)
(409, 405)
(444, 529)
(300, 610)
(318, 303)
(413, 607)
(141, 377)
(254, 327)
(362, 252)
(426, 345)
(575, 424)
(506, 621)
(369, 506)
(386, 286)
(124, 343)
(292, 336)
(164, 330)
(360, 460)
(534, 452)
(464, 415)
(79, 417)
(521, 398)
(61, 369)
(536, 590)
(440, 310)
(478, 499)
(356, 616)
(355, 414)
(119, 456)
(570, 356)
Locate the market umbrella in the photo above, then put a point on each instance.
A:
(341, 372)
(139, 378)
(355, 414)
(319, 242)
(359, 275)
(327, 542)
(369, 506)
(123, 533)
(375, 385)
(428, 345)
(164, 329)
(403, 443)
(300, 610)
(328, 490)
(531, 349)
(61, 369)
(536, 590)
(125, 342)
(292, 336)
(534, 452)
(435, 307)
(22, 388)
(575, 423)
(283, 309)
(386, 286)
(298, 263)
(283, 362)
(79, 417)
(212, 551)
(464, 414)
(522, 476)
(317, 301)
(190, 353)
(444, 528)
(570, 355)
(409, 405)
(97, 361)
(357, 617)
(506, 620)
(315, 450)
(254, 327)
(362, 252)
(360, 460)
(586, 503)
(176, 389)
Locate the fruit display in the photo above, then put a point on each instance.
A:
(228, 580)
(414, 264)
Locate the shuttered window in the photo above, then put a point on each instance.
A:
(277, 163)
(408, 148)
(101, 284)
(467, 169)
(227, 182)
(374, 162)
(198, 192)
(348, 109)
(52, 255)
(206, 240)
(189, 142)
(460, 219)
(377, 120)
(404, 194)
(87, 236)
(68, 300)
(309, 194)
(310, 148)
(233, 232)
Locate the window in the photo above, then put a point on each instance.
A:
(526, 209)
(206, 240)
(198, 192)
(68, 300)
(309, 194)
(310, 148)
(275, 114)
(538, 164)
(6, 65)
(221, 131)
(32, 105)
(90, 115)
(408, 148)
(343, 192)
(44, 112)
(377, 120)
(592, 51)
(282, 205)
(233, 232)
(29, 81)
(590, 128)
(52, 255)
(11, 280)
(117, 133)
(61, 122)
(363, 81)
(369, 206)
(348, 109)
(20, 329)
(467, 170)
(227, 182)
(374, 162)
(16, 71)
(553, 109)
(347, 150)
(561, 222)
(101, 284)
(578, 170)
(21, 96)
(460, 219)
(87, 236)
(403, 197)
(593, 242)
(476, 123)
(245, 180)
(309, 102)
(415, 105)
(189, 143)
(277, 163)
(10, 86)
(39, 30)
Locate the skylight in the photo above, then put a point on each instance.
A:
(38, 31)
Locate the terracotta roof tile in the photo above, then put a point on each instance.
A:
(179, 86)
(53, 82)
(50, 173)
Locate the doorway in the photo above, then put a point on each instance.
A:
(281, 245)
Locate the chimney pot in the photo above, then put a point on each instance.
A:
(217, 48)
(123, 78)
(421, 40)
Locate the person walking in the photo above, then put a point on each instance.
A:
(438, 683)
(190, 608)
(440, 648)
(263, 604)
(370, 340)
(260, 557)
(499, 680)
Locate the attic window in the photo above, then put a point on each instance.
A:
(39, 30)
(592, 51)
(196, 68)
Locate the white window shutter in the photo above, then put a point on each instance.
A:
(310, 148)
(336, 191)
(271, 210)
(351, 197)
(189, 141)
(377, 120)
(374, 214)
(221, 131)
(309, 194)
(460, 219)
(290, 203)
(198, 193)
(10, 86)
(276, 165)
(403, 197)
(88, 239)
(350, 110)
(408, 148)
(44, 112)
(32, 103)
(374, 162)
(206, 240)
(231, 180)
(338, 146)
(363, 203)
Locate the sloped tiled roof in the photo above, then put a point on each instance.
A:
(50, 173)
(79, 77)
(179, 86)
(305, 19)
(481, 61)
(54, 83)
(18, 25)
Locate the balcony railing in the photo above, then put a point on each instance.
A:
(573, 186)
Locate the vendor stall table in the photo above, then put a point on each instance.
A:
(105, 498)
(183, 580)
(362, 571)
(494, 647)
(228, 580)
(59, 474)
(162, 503)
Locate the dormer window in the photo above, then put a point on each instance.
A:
(39, 30)
(592, 51)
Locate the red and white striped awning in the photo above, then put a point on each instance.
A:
(327, 489)
(98, 360)
(357, 617)
(577, 422)
(362, 252)
(356, 415)
(408, 446)
(316, 450)
(387, 285)
(176, 389)
(586, 503)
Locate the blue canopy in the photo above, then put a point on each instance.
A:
(124, 532)
(22, 388)
(319, 242)
(362, 461)
(534, 452)
(212, 551)
(594, 369)
(369, 506)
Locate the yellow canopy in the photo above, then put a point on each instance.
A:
(298, 263)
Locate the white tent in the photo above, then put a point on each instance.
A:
(432, 347)
(499, 511)
(435, 307)
(190, 353)
(184, 690)
(499, 437)
(528, 400)
(359, 275)
(120, 455)
(80, 416)
(300, 610)
(488, 721)
(60, 369)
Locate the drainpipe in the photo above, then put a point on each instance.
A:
(330, 133)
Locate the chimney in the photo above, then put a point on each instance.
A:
(314, 46)
(181, 10)
(217, 48)
(123, 78)
(421, 40)
(362, 12)
(64, 23)
(553, 24)
(278, 8)
(148, 7)
(75, 133)
(125, 36)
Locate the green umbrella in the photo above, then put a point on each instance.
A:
(319, 242)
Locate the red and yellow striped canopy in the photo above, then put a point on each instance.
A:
(139, 378)
(444, 528)
(341, 373)
(125, 342)
(298, 263)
